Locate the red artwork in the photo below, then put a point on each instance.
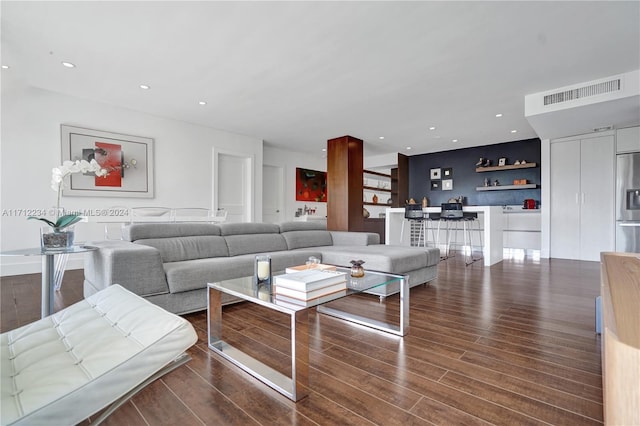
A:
(109, 156)
(311, 185)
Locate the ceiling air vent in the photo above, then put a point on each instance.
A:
(583, 92)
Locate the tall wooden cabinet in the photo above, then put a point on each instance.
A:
(582, 197)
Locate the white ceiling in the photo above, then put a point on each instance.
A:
(298, 73)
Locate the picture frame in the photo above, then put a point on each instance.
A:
(447, 184)
(447, 173)
(435, 173)
(311, 185)
(127, 158)
(502, 161)
(435, 185)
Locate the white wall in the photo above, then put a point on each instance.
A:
(30, 148)
(289, 160)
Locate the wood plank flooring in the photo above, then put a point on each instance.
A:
(511, 344)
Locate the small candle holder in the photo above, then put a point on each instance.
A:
(263, 269)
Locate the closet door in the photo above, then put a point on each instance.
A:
(597, 187)
(565, 200)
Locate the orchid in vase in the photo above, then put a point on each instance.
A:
(57, 184)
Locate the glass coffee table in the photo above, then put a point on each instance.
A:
(296, 386)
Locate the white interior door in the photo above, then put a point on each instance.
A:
(565, 200)
(272, 194)
(233, 185)
(597, 220)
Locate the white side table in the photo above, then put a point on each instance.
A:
(53, 266)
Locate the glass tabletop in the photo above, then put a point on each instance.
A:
(246, 288)
(38, 251)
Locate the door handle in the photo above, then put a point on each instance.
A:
(630, 224)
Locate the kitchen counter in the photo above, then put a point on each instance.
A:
(492, 226)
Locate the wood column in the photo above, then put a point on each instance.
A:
(344, 184)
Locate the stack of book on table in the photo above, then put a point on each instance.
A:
(303, 286)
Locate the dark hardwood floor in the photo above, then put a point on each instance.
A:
(510, 344)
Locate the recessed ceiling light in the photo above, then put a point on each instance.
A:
(498, 115)
(324, 149)
(408, 148)
(145, 87)
(381, 137)
(432, 128)
(454, 140)
(514, 131)
(68, 64)
(5, 67)
(202, 103)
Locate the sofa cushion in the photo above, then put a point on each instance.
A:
(303, 239)
(393, 259)
(244, 228)
(313, 225)
(194, 274)
(188, 248)
(255, 243)
(139, 231)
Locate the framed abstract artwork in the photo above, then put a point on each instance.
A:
(127, 159)
(311, 185)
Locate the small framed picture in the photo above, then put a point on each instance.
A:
(502, 161)
(447, 173)
(435, 185)
(447, 184)
(435, 173)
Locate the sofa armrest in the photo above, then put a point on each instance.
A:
(349, 238)
(135, 267)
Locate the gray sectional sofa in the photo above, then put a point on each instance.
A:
(170, 263)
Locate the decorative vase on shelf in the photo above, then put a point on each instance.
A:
(375, 199)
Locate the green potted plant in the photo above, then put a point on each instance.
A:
(61, 235)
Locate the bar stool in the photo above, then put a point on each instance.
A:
(432, 223)
(470, 219)
(452, 215)
(414, 215)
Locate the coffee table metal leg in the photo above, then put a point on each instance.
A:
(294, 387)
(300, 353)
(401, 329)
(214, 316)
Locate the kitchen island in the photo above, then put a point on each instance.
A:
(492, 224)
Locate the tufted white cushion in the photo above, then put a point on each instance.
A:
(68, 366)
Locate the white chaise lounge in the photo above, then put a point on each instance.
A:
(98, 352)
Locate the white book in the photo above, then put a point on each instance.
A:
(309, 295)
(311, 279)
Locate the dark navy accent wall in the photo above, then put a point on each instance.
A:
(466, 179)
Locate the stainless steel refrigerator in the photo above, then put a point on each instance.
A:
(628, 203)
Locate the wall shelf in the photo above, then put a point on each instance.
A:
(506, 187)
(373, 188)
(368, 203)
(371, 172)
(507, 167)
